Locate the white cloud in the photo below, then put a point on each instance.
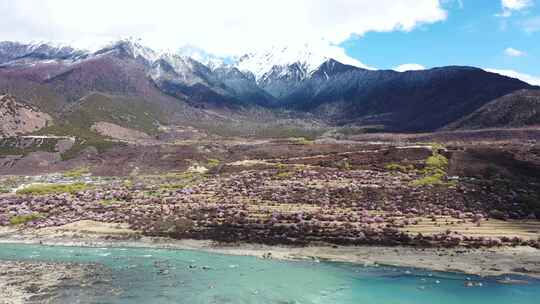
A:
(221, 27)
(534, 80)
(512, 52)
(409, 67)
(516, 4)
(510, 6)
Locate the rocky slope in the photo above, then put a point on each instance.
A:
(17, 118)
(518, 109)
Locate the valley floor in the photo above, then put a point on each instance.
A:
(452, 206)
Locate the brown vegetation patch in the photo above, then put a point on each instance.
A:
(118, 132)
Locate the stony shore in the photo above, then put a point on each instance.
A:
(44, 282)
(497, 261)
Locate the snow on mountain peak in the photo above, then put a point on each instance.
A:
(35, 51)
(134, 48)
(48, 45)
(308, 57)
(292, 61)
(211, 61)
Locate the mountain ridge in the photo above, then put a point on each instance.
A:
(337, 93)
(517, 109)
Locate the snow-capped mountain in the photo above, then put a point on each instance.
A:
(20, 53)
(130, 48)
(280, 70)
(176, 67)
(210, 60)
(277, 61)
(317, 80)
(276, 64)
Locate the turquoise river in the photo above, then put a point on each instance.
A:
(180, 276)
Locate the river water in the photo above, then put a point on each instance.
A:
(181, 276)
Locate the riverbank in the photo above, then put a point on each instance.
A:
(44, 282)
(484, 262)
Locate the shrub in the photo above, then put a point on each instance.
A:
(435, 171)
(78, 172)
(437, 161)
(398, 167)
(304, 141)
(127, 183)
(281, 166)
(39, 189)
(436, 147)
(284, 174)
(211, 163)
(23, 219)
(343, 164)
(284, 171)
(180, 180)
(435, 179)
(108, 202)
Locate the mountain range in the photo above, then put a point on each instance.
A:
(137, 87)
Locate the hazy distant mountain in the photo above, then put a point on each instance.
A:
(299, 80)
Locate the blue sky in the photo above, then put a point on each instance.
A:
(476, 32)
